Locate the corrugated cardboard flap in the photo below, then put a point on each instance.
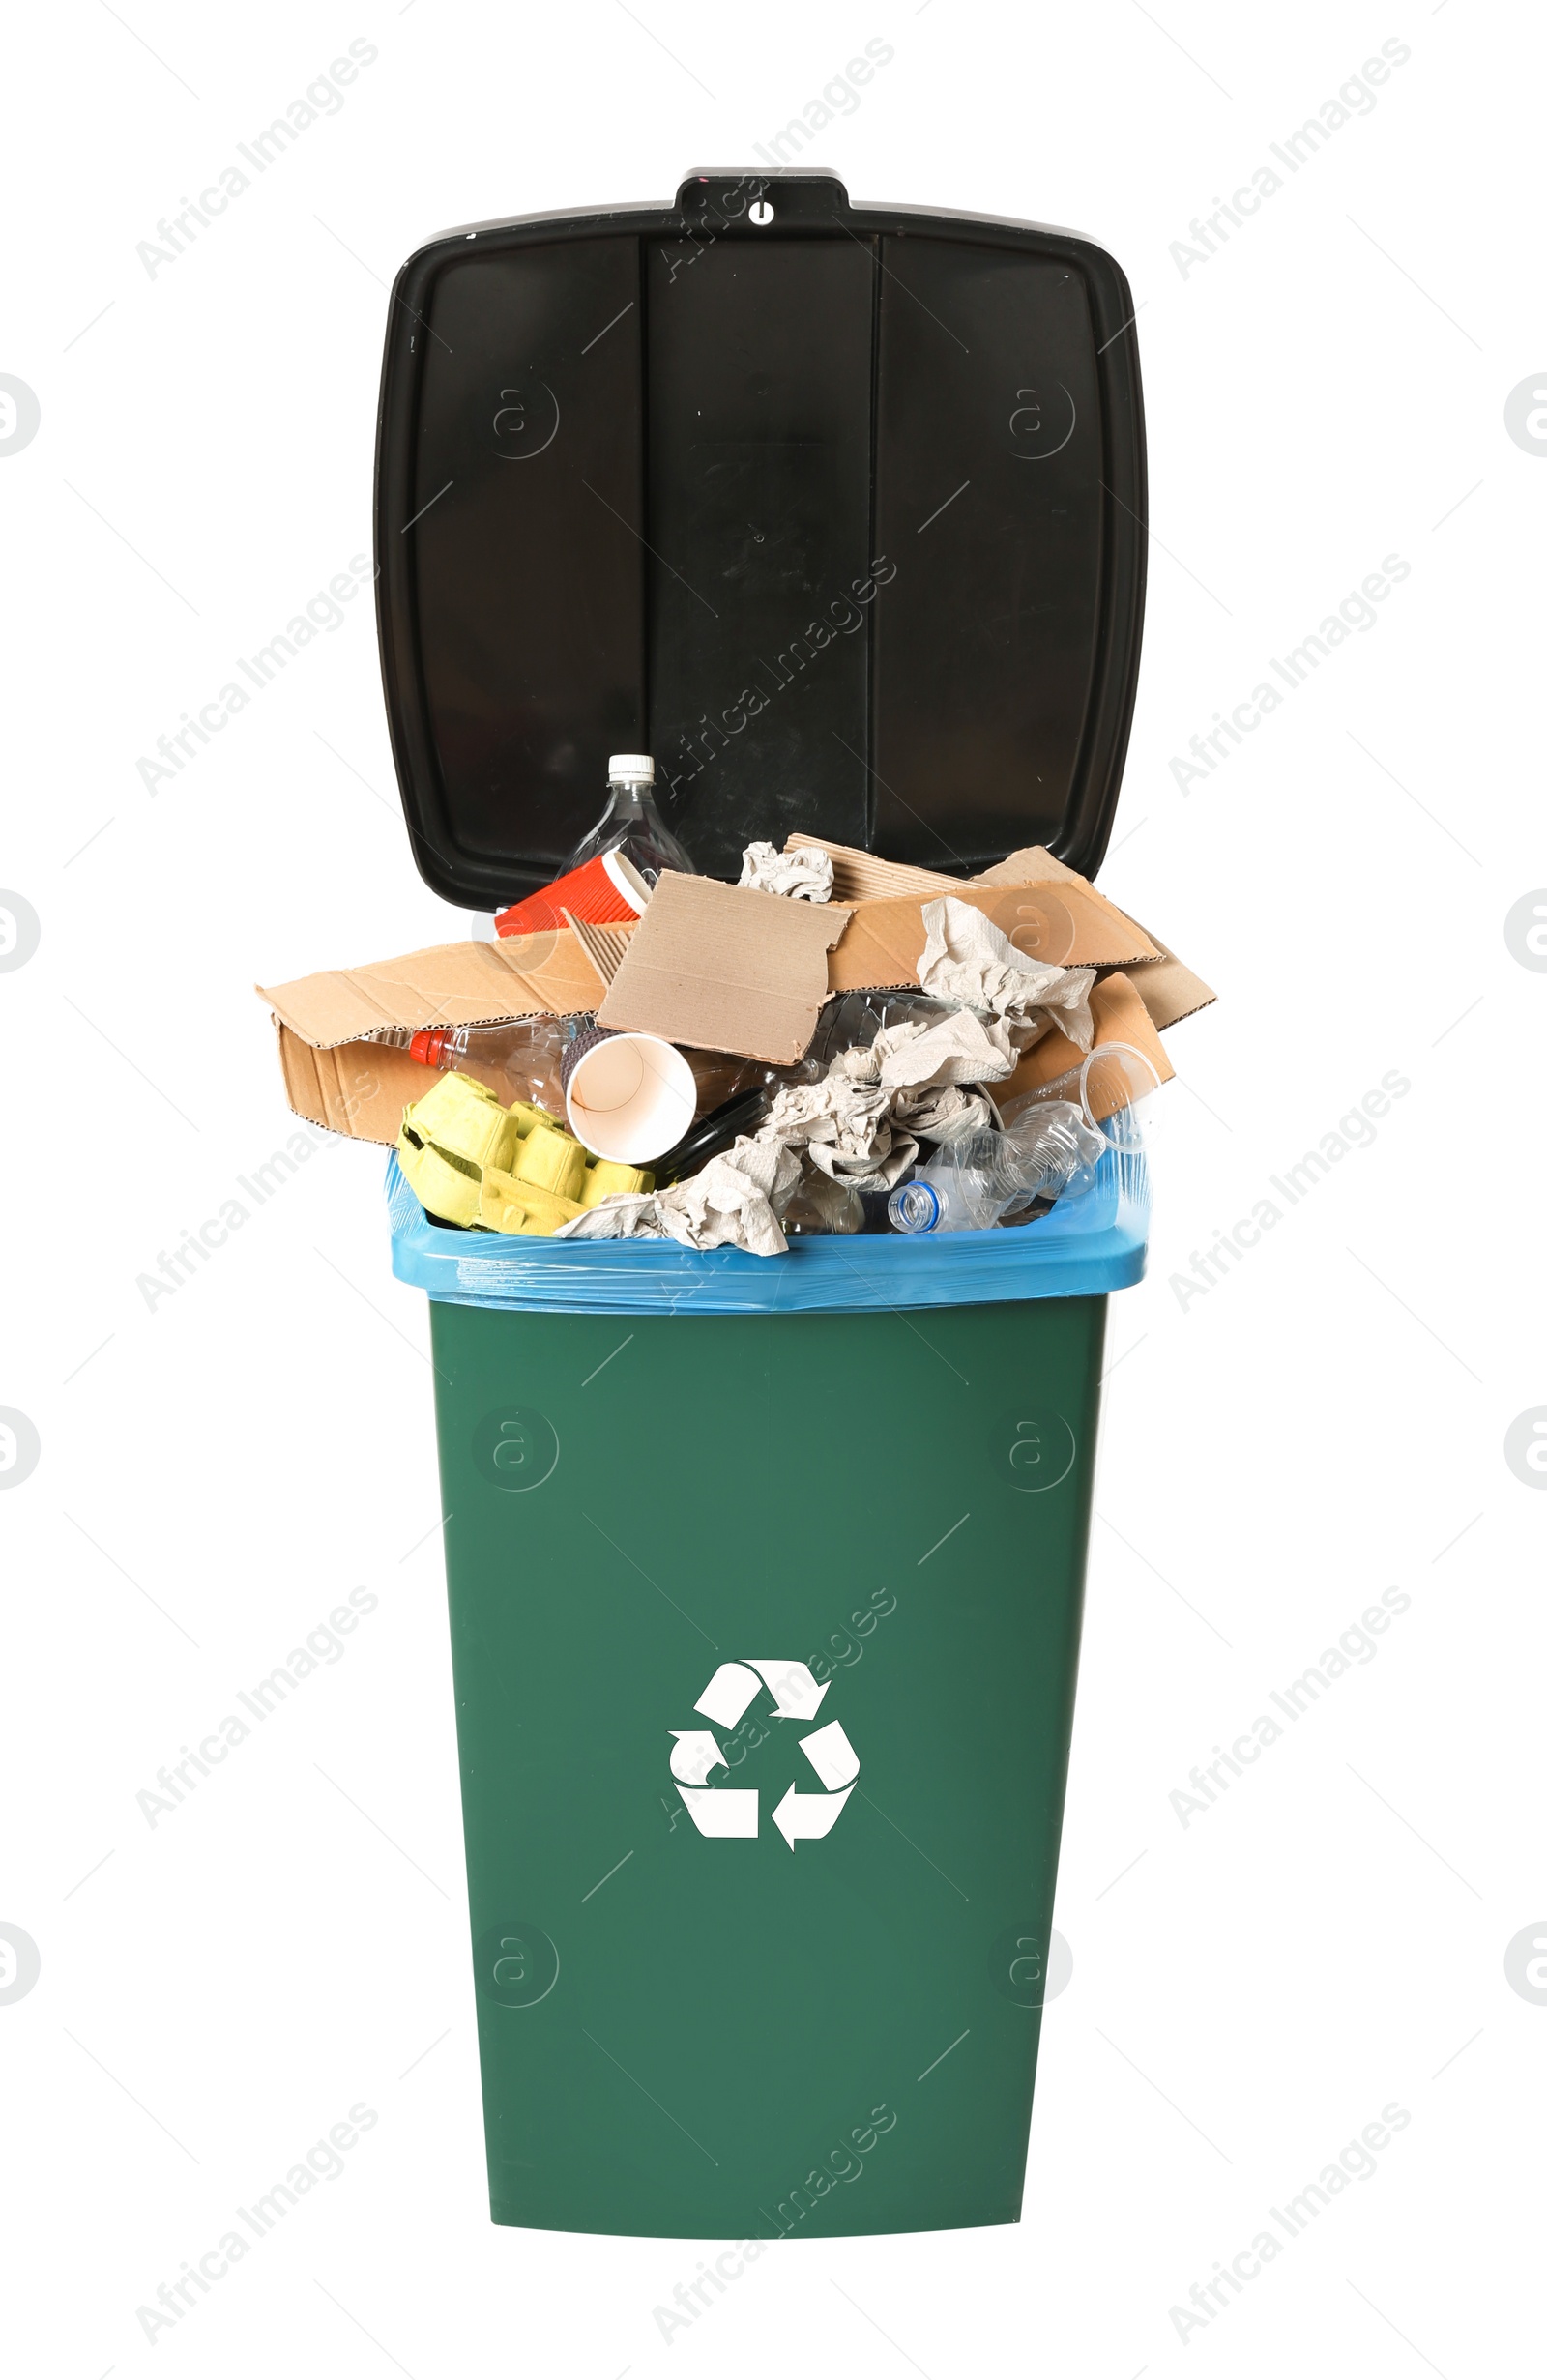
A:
(721, 967)
(1047, 909)
(452, 983)
(605, 946)
(1170, 990)
(1116, 1014)
(860, 876)
(1066, 925)
(359, 1090)
(1033, 865)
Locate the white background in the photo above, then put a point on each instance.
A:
(1328, 1421)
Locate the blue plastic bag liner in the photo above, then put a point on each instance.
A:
(1085, 1247)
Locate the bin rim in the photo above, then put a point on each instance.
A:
(1085, 1248)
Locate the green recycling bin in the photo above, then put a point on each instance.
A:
(765, 1627)
(765, 1573)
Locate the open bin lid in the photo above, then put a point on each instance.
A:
(837, 511)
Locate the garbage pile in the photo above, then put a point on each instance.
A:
(833, 1045)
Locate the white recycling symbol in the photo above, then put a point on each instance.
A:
(695, 1753)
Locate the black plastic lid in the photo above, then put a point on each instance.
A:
(837, 511)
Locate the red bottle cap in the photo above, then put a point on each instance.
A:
(429, 1048)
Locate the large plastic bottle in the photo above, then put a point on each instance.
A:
(520, 1060)
(632, 824)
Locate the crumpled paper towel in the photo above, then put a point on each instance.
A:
(844, 1125)
(945, 1113)
(958, 1049)
(967, 959)
(862, 1123)
(801, 876)
(730, 1205)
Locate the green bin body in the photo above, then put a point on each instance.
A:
(748, 2037)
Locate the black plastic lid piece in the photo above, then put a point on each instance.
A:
(837, 511)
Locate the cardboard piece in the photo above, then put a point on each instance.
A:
(1032, 864)
(1044, 908)
(359, 1090)
(1058, 917)
(1070, 927)
(860, 876)
(450, 983)
(721, 967)
(1116, 1014)
(1169, 990)
(604, 945)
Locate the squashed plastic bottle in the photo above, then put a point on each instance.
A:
(971, 1184)
(821, 1208)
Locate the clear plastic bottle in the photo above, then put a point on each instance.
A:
(969, 1185)
(957, 1191)
(821, 1208)
(632, 824)
(1050, 1153)
(520, 1060)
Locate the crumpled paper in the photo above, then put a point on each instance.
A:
(960, 1049)
(624, 1214)
(945, 1113)
(844, 1126)
(967, 959)
(800, 876)
(860, 1124)
(730, 1205)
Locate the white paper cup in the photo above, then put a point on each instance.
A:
(630, 1097)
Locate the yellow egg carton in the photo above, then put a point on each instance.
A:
(471, 1161)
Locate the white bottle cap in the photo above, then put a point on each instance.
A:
(631, 769)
